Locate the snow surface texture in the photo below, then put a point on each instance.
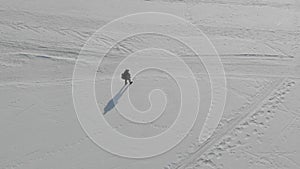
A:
(259, 46)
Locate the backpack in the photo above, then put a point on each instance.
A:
(123, 76)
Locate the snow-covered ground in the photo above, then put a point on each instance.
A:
(259, 46)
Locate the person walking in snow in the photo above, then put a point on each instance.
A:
(126, 76)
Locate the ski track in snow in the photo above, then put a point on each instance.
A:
(249, 51)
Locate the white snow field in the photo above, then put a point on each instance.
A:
(258, 43)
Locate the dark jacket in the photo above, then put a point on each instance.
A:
(125, 75)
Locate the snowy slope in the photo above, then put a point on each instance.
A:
(257, 41)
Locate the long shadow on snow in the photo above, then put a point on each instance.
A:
(114, 101)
